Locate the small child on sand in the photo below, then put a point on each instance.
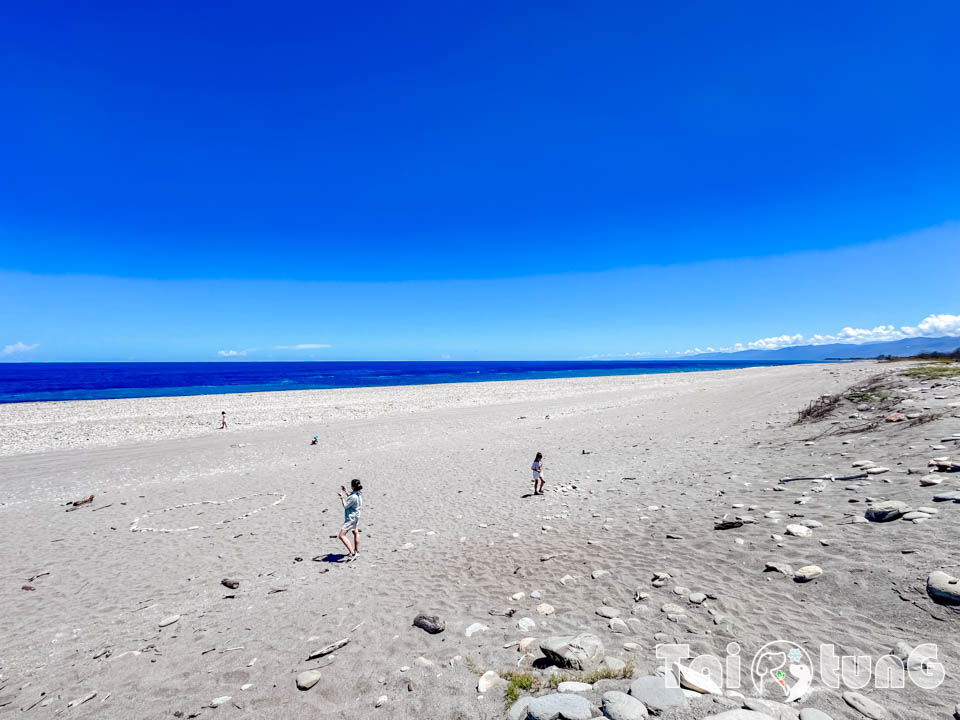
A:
(223, 419)
(537, 469)
(351, 515)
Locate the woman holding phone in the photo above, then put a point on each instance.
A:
(351, 515)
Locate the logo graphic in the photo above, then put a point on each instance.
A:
(782, 670)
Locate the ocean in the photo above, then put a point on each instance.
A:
(42, 382)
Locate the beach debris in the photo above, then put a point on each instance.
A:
(943, 588)
(866, 706)
(223, 700)
(85, 698)
(332, 647)
(82, 501)
(475, 628)
(488, 681)
(808, 573)
(169, 620)
(274, 591)
(509, 612)
(27, 587)
(577, 652)
(381, 701)
(728, 525)
(432, 624)
(886, 511)
(560, 705)
(307, 679)
(232, 584)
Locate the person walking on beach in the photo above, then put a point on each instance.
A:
(537, 469)
(351, 515)
(223, 419)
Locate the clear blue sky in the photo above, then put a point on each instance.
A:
(497, 180)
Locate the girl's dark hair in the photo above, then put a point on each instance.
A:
(356, 485)
(538, 457)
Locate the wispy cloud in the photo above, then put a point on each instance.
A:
(303, 346)
(231, 353)
(18, 347)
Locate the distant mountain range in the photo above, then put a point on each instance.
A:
(906, 347)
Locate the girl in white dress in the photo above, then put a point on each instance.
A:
(537, 469)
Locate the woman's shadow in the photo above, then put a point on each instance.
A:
(330, 557)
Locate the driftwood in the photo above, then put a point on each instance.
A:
(82, 501)
(832, 478)
(328, 649)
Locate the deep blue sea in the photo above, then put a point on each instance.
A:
(36, 382)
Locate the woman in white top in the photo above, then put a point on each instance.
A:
(537, 469)
(351, 516)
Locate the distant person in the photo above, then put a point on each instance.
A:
(537, 469)
(351, 515)
(223, 419)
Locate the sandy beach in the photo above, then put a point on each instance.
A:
(126, 615)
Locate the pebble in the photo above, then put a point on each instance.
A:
(597, 574)
(693, 680)
(679, 590)
(739, 715)
(943, 588)
(866, 706)
(566, 580)
(798, 531)
(697, 598)
(615, 664)
(608, 612)
(877, 470)
(518, 596)
(488, 680)
(545, 609)
(169, 620)
(432, 624)
(246, 686)
(381, 701)
(620, 706)
(571, 686)
(307, 679)
(568, 706)
(808, 573)
(778, 567)
(526, 624)
(618, 626)
(217, 702)
(886, 511)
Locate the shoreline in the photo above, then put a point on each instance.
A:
(35, 427)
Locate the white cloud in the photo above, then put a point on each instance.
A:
(303, 346)
(931, 326)
(18, 347)
(231, 353)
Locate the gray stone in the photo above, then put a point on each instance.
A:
(739, 715)
(813, 714)
(779, 567)
(560, 706)
(488, 681)
(866, 706)
(526, 624)
(571, 686)
(618, 626)
(430, 623)
(635, 625)
(952, 496)
(607, 612)
(641, 610)
(580, 652)
(697, 598)
(307, 679)
(518, 711)
(808, 573)
(797, 531)
(620, 706)
(943, 588)
(886, 511)
(615, 664)
(475, 628)
(653, 692)
(778, 711)
(672, 609)
(169, 620)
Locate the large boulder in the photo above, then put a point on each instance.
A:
(580, 652)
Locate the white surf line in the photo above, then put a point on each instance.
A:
(135, 525)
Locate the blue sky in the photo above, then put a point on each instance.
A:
(422, 180)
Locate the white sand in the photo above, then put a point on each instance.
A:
(450, 462)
